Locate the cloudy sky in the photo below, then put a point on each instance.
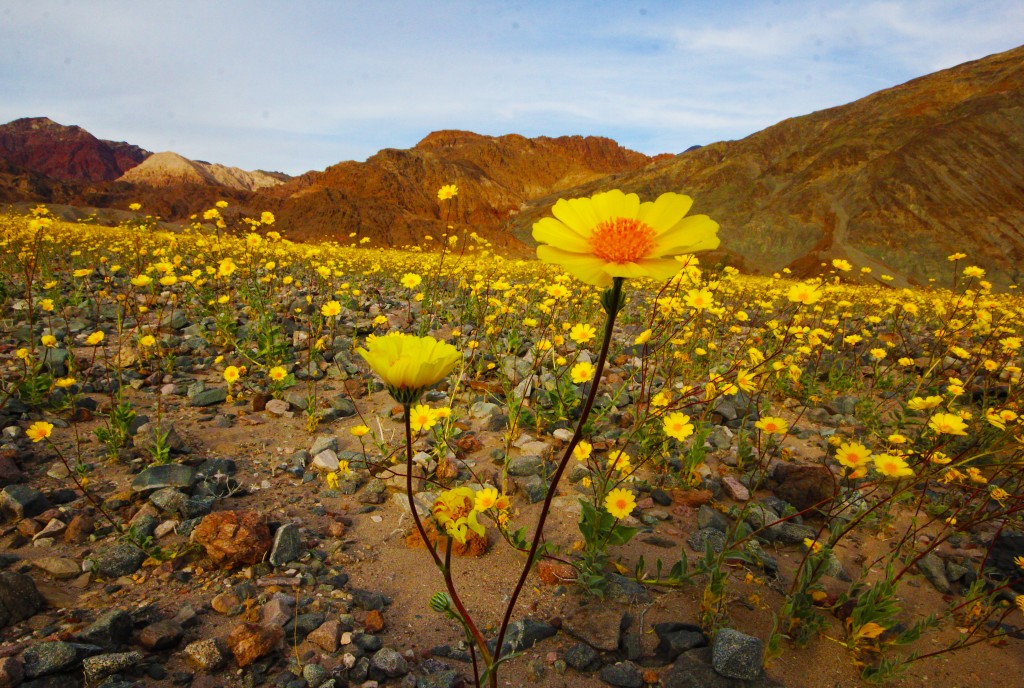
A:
(293, 85)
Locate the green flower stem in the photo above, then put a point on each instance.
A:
(441, 565)
(612, 299)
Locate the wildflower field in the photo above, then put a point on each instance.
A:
(795, 467)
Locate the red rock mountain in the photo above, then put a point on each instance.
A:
(393, 195)
(895, 181)
(67, 153)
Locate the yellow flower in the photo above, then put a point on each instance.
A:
(678, 426)
(1019, 561)
(231, 374)
(974, 271)
(359, 430)
(39, 431)
(64, 382)
(947, 424)
(332, 480)
(842, 265)
(147, 340)
(812, 545)
(613, 234)
(134, 206)
(84, 272)
(95, 338)
(277, 373)
(620, 502)
(23, 354)
(804, 293)
(583, 450)
(422, 417)
(582, 333)
(142, 280)
(853, 455)
(447, 192)
(486, 498)
(878, 354)
(330, 309)
(643, 337)
(411, 280)
(582, 372)
(891, 466)
(221, 204)
(409, 364)
(699, 299)
(49, 340)
(772, 425)
(454, 511)
(620, 461)
(267, 217)
(46, 305)
(924, 403)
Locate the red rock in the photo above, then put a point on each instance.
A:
(691, 498)
(805, 486)
(555, 572)
(65, 152)
(326, 636)
(79, 530)
(374, 622)
(248, 641)
(735, 488)
(233, 538)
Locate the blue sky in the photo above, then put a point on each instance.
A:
(293, 86)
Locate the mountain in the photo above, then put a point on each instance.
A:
(170, 169)
(392, 196)
(895, 181)
(67, 153)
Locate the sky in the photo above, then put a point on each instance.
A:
(292, 86)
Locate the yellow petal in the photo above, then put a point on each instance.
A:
(664, 213)
(614, 203)
(586, 268)
(691, 234)
(551, 231)
(578, 214)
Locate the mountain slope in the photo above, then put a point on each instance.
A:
(40, 145)
(171, 169)
(895, 181)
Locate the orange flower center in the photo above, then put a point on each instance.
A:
(622, 240)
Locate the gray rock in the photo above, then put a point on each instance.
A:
(525, 465)
(205, 654)
(483, 409)
(12, 672)
(795, 533)
(581, 657)
(101, 666)
(110, 629)
(533, 487)
(370, 601)
(22, 501)
(118, 560)
(167, 475)
(676, 638)
(522, 635)
(737, 655)
(935, 571)
(176, 320)
(343, 406)
(287, 545)
(390, 662)
(314, 675)
(598, 626)
(161, 635)
(50, 658)
(442, 679)
(622, 674)
(19, 598)
(700, 539)
(209, 397)
(693, 670)
(625, 590)
(712, 518)
(60, 568)
(169, 501)
(323, 442)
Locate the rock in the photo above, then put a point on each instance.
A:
(118, 560)
(278, 407)
(10, 474)
(390, 662)
(326, 461)
(50, 657)
(441, 679)
(110, 629)
(233, 538)
(483, 409)
(314, 675)
(675, 638)
(1000, 564)
(700, 539)
(170, 501)
(60, 568)
(12, 672)
(622, 674)
(22, 501)
(693, 670)
(600, 626)
(522, 466)
(805, 486)
(287, 545)
(533, 487)
(161, 635)
(166, 475)
(279, 610)
(374, 622)
(737, 655)
(19, 598)
(227, 603)
(735, 489)
(248, 641)
(323, 443)
(581, 657)
(343, 406)
(79, 530)
(146, 437)
(205, 654)
(209, 397)
(522, 635)
(553, 572)
(326, 636)
(625, 590)
(933, 568)
(790, 533)
(100, 666)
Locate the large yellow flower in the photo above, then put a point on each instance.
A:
(613, 234)
(409, 364)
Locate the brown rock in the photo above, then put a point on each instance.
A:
(735, 489)
(161, 635)
(805, 486)
(205, 654)
(233, 538)
(19, 598)
(326, 636)
(12, 672)
(555, 572)
(29, 527)
(691, 498)
(336, 529)
(248, 642)
(79, 530)
(227, 603)
(374, 622)
(9, 471)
